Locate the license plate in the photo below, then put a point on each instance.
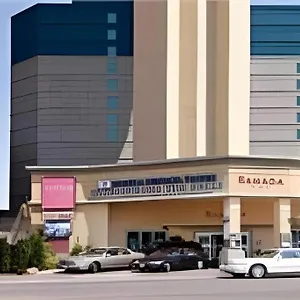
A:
(142, 265)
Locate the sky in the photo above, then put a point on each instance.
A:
(7, 9)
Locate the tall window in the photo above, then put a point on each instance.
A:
(111, 34)
(111, 65)
(112, 127)
(112, 85)
(111, 51)
(111, 18)
(112, 102)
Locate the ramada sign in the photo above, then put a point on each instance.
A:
(260, 180)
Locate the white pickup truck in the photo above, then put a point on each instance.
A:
(281, 261)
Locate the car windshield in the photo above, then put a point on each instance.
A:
(94, 251)
(267, 253)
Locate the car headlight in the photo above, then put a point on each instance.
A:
(136, 262)
(156, 262)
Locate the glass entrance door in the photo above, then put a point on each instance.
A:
(296, 238)
(211, 242)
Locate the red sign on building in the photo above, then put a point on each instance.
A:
(58, 192)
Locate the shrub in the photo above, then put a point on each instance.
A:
(36, 251)
(13, 258)
(22, 255)
(51, 259)
(5, 260)
(76, 250)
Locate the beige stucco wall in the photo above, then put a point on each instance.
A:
(149, 81)
(91, 225)
(154, 214)
(232, 101)
(86, 181)
(197, 55)
(289, 188)
(107, 223)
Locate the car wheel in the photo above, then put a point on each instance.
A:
(94, 268)
(257, 271)
(167, 267)
(200, 265)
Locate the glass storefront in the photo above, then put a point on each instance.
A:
(211, 242)
(296, 238)
(136, 240)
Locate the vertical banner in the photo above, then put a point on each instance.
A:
(58, 192)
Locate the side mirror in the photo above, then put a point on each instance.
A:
(108, 255)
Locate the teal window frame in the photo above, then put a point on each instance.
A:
(112, 102)
(112, 85)
(111, 34)
(111, 51)
(112, 65)
(112, 119)
(112, 133)
(111, 18)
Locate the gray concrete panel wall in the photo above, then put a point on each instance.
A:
(23, 136)
(73, 108)
(274, 106)
(59, 115)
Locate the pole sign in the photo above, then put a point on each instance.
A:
(157, 186)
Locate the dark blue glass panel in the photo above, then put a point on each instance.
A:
(79, 28)
(275, 30)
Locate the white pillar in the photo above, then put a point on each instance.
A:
(173, 57)
(201, 77)
(281, 225)
(231, 216)
(232, 77)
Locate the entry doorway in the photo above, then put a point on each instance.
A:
(211, 242)
(296, 238)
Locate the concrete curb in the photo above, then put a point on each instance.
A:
(49, 272)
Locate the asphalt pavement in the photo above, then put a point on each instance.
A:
(191, 285)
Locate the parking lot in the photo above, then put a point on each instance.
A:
(122, 285)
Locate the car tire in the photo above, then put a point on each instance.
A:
(167, 267)
(257, 271)
(94, 267)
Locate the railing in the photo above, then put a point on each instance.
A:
(157, 190)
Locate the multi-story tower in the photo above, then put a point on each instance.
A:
(71, 87)
(191, 78)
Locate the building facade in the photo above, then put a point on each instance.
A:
(87, 66)
(198, 58)
(209, 200)
(275, 49)
(71, 88)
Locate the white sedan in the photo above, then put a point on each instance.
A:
(281, 261)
